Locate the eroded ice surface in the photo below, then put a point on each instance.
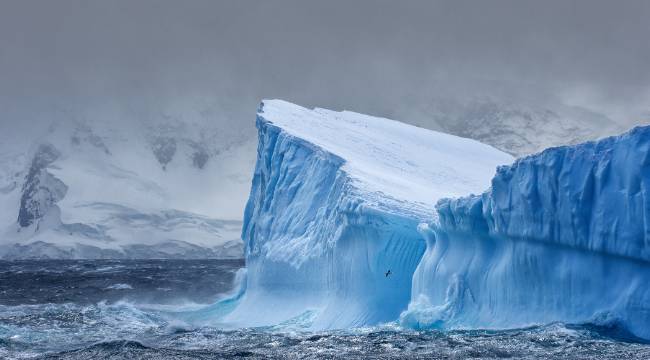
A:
(335, 203)
(563, 235)
(103, 188)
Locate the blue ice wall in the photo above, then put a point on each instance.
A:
(563, 235)
(316, 252)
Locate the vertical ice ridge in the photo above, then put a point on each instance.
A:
(306, 234)
(331, 225)
(560, 236)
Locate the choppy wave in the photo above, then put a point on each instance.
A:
(135, 329)
(125, 331)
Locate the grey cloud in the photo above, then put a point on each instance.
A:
(372, 56)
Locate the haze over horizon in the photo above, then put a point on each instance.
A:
(147, 59)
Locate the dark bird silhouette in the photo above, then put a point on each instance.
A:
(388, 273)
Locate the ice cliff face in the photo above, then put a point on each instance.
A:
(563, 235)
(341, 228)
(335, 204)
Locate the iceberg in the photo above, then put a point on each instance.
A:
(563, 235)
(331, 225)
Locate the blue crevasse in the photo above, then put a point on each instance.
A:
(563, 235)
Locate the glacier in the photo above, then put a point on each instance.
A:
(563, 235)
(335, 204)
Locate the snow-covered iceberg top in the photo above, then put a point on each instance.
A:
(331, 226)
(389, 159)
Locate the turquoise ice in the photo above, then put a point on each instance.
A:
(335, 203)
(338, 199)
(563, 235)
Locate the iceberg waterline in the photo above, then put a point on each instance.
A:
(338, 199)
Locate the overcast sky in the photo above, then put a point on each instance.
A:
(371, 56)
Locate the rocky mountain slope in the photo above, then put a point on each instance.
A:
(92, 190)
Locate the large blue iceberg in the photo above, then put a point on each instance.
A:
(339, 199)
(335, 203)
(563, 235)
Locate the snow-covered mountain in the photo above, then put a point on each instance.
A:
(518, 127)
(80, 189)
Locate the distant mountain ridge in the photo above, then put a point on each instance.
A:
(519, 128)
(86, 190)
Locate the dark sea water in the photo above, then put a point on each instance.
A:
(147, 309)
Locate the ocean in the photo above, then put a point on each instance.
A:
(163, 309)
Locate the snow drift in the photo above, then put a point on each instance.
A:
(563, 235)
(335, 203)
